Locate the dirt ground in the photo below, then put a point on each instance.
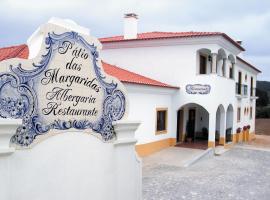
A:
(262, 127)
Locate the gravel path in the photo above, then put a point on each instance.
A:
(236, 175)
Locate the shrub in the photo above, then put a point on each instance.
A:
(238, 130)
(263, 112)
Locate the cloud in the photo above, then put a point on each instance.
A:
(248, 20)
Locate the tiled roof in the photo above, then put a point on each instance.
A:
(250, 65)
(166, 35)
(21, 51)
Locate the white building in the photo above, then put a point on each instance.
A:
(194, 62)
(200, 89)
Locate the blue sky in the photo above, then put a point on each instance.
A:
(247, 20)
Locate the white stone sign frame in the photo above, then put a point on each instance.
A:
(19, 97)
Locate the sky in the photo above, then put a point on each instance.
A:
(246, 20)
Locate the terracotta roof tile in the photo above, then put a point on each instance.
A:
(166, 35)
(22, 51)
(19, 51)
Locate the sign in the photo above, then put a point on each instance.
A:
(64, 87)
(198, 89)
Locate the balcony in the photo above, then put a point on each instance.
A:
(241, 90)
(253, 93)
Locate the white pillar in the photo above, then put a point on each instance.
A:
(128, 180)
(222, 128)
(224, 67)
(214, 63)
(212, 129)
(8, 128)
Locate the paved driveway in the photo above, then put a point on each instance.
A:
(237, 174)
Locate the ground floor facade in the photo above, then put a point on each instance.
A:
(188, 124)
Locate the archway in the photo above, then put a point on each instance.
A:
(221, 57)
(229, 123)
(192, 126)
(204, 61)
(220, 125)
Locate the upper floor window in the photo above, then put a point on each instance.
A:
(161, 120)
(203, 66)
(251, 87)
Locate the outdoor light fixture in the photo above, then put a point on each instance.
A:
(210, 58)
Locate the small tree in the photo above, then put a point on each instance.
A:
(263, 98)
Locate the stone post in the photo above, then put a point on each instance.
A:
(128, 181)
(7, 129)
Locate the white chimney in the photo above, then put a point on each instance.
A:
(130, 26)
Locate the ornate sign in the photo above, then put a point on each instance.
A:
(198, 89)
(64, 87)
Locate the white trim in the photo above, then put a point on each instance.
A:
(173, 42)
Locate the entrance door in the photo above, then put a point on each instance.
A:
(180, 121)
(191, 123)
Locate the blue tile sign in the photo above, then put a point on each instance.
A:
(64, 87)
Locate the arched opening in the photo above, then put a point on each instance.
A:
(220, 125)
(204, 61)
(192, 126)
(229, 123)
(231, 66)
(221, 62)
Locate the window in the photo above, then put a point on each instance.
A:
(231, 72)
(202, 64)
(251, 86)
(239, 89)
(238, 114)
(250, 112)
(161, 123)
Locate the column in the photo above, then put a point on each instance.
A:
(224, 66)
(233, 75)
(212, 130)
(214, 63)
(222, 138)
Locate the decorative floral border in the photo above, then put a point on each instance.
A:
(18, 97)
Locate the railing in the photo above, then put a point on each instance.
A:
(241, 89)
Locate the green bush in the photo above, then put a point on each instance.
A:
(263, 112)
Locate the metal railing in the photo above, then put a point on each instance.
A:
(241, 89)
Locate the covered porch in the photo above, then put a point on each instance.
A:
(199, 129)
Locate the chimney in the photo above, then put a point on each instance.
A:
(240, 42)
(130, 26)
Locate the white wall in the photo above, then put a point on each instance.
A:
(177, 64)
(143, 102)
(248, 101)
(74, 165)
